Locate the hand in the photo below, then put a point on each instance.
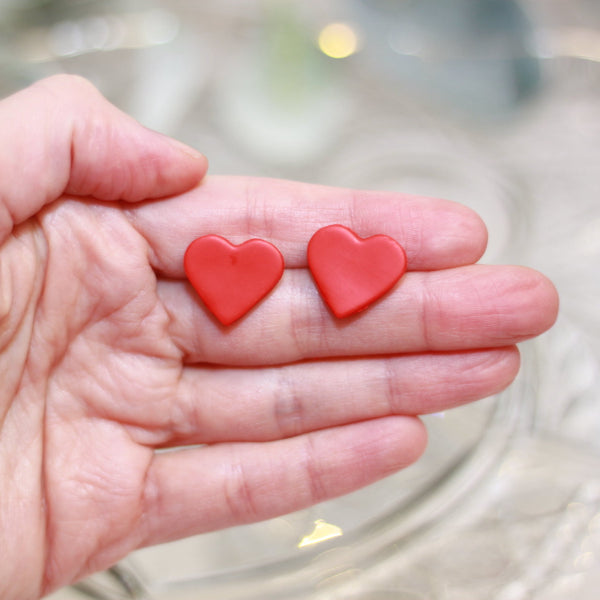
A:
(106, 353)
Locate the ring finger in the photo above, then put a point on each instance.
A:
(215, 405)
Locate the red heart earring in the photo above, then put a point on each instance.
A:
(232, 279)
(351, 272)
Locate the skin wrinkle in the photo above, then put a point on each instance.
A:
(131, 326)
(313, 475)
(425, 314)
(57, 343)
(297, 315)
(171, 320)
(188, 418)
(238, 493)
(61, 138)
(151, 432)
(50, 566)
(21, 334)
(354, 209)
(35, 297)
(185, 411)
(434, 396)
(255, 206)
(7, 219)
(91, 134)
(132, 217)
(46, 507)
(196, 327)
(150, 505)
(391, 388)
(414, 239)
(288, 407)
(86, 390)
(488, 362)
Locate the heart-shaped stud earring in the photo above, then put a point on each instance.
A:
(232, 279)
(351, 272)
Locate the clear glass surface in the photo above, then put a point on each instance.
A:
(500, 112)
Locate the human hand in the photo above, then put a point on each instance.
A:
(107, 355)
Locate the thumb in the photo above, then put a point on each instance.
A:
(61, 136)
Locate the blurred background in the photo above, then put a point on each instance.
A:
(492, 103)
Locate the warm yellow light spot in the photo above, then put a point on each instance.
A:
(323, 531)
(338, 40)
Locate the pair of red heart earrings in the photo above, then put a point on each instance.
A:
(350, 272)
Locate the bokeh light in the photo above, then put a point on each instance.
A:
(338, 40)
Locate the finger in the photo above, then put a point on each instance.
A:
(435, 233)
(61, 136)
(209, 488)
(456, 309)
(242, 405)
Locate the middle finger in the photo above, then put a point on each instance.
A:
(464, 308)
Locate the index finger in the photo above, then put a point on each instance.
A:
(436, 234)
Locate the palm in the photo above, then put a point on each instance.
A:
(104, 370)
(107, 356)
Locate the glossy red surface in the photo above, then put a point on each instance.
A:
(351, 272)
(232, 279)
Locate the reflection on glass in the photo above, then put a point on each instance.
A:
(323, 531)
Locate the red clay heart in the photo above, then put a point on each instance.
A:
(232, 279)
(352, 272)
